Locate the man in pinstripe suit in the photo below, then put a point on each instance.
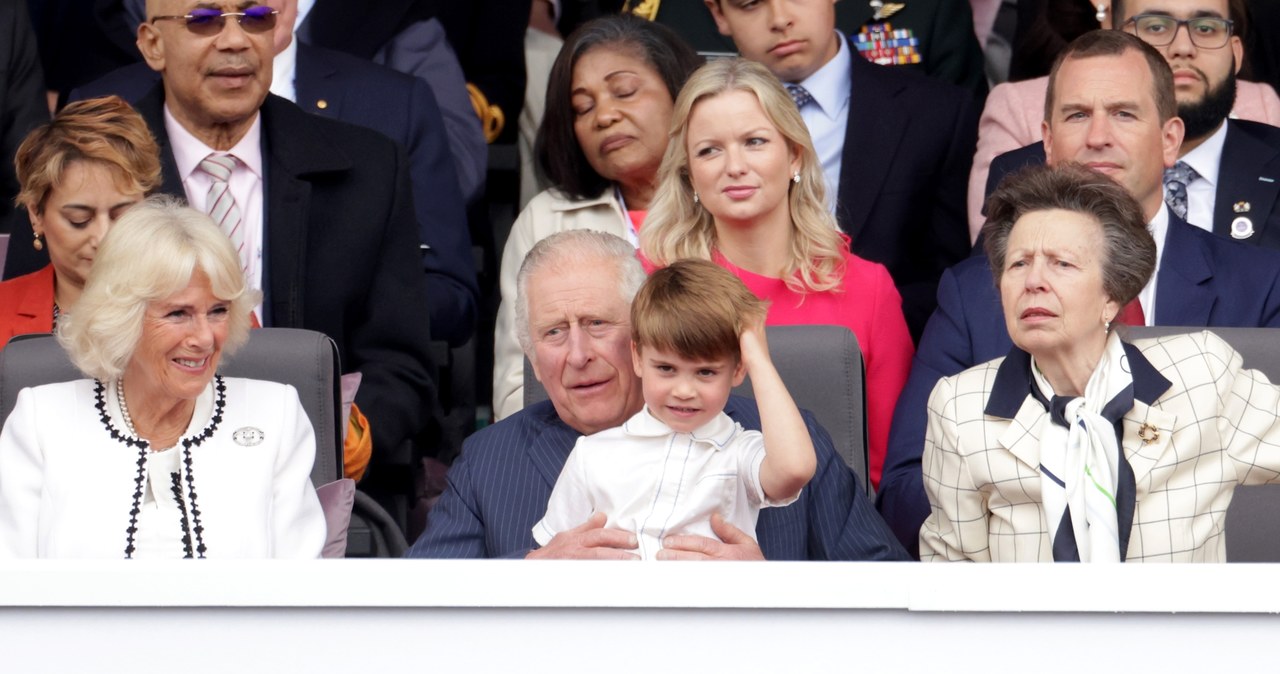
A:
(575, 330)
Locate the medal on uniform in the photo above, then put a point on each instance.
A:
(881, 44)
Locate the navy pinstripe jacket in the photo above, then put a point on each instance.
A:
(499, 488)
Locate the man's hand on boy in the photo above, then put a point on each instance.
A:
(589, 540)
(734, 545)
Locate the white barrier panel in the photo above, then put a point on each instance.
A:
(373, 616)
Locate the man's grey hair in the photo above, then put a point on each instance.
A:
(577, 248)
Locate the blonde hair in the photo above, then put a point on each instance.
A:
(102, 130)
(694, 308)
(677, 227)
(151, 253)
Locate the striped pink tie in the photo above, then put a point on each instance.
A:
(222, 205)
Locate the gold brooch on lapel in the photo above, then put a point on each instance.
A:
(1148, 434)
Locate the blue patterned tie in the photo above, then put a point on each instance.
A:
(1176, 180)
(800, 95)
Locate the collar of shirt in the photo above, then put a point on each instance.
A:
(189, 151)
(829, 86)
(1207, 157)
(283, 71)
(717, 432)
(304, 8)
(1202, 193)
(1159, 227)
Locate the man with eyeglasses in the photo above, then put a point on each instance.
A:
(323, 209)
(1201, 40)
(1227, 178)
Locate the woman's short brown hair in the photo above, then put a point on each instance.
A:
(1128, 251)
(103, 130)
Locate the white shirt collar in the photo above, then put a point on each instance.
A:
(189, 151)
(1207, 157)
(717, 432)
(283, 71)
(829, 86)
(1159, 227)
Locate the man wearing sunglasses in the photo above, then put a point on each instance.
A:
(329, 233)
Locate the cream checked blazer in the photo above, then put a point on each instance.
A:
(1217, 425)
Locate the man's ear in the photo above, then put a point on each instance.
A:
(636, 363)
(1046, 132)
(723, 26)
(151, 46)
(739, 372)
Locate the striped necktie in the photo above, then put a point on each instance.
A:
(222, 205)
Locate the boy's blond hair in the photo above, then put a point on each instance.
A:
(694, 308)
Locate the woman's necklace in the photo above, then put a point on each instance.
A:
(124, 408)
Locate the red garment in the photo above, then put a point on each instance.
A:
(26, 304)
(869, 306)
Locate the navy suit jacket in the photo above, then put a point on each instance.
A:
(498, 489)
(1248, 173)
(904, 172)
(403, 108)
(1204, 280)
(341, 255)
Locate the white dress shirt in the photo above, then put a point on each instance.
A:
(1202, 193)
(1159, 227)
(827, 116)
(656, 482)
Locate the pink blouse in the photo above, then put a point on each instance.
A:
(870, 306)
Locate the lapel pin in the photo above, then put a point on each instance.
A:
(248, 436)
(1241, 207)
(1265, 179)
(884, 10)
(1148, 434)
(1241, 228)
(322, 104)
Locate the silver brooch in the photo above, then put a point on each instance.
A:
(248, 436)
(1241, 228)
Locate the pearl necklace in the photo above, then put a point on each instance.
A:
(124, 408)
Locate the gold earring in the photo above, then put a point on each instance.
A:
(37, 243)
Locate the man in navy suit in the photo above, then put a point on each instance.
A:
(338, 86)
(895, 147)
(574, 293)
(1236, 189)
(1111, 107)
(331, 240)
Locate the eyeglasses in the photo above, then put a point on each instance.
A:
(1159, 30)
(208, 21)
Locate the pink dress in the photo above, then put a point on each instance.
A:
(869, 306)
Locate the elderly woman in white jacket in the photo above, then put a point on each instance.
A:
(155, 454)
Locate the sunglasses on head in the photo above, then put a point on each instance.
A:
(210, 21)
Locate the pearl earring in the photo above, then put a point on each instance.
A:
(37, 243)
(695, 197)
(1102, 12)
(796, 178)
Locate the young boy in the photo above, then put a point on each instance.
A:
(696, 331)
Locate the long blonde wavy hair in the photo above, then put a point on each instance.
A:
(677, 227)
